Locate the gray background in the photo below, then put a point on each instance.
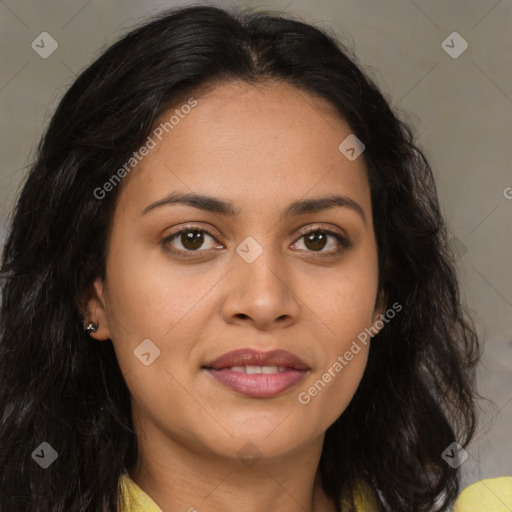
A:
(461, 108)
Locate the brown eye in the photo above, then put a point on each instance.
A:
(191, 240)
(316, 239)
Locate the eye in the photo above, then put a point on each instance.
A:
(316, 239)
(191, 238)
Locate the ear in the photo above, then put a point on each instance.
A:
(380, 309)
(95, 310)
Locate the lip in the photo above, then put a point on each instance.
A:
(258, 385)
(251, 357)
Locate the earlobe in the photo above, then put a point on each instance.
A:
(379, 312)
(96, 319)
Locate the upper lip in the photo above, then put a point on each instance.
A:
(251, 357)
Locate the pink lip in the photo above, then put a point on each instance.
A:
(251, 357)
(258, 385)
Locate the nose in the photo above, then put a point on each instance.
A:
(261, 293)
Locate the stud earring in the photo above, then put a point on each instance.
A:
(91, 327)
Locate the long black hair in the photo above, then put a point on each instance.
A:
(58, 386)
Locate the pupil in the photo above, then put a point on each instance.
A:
(192, 239)
(319, 237)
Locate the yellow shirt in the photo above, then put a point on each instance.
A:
(491, 495)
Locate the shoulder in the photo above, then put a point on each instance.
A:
(491, 495)
(132, 498)
(364, 499)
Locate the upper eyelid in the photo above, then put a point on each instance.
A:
(303, 231)
(209, 231)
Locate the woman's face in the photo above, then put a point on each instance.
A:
(251, 280)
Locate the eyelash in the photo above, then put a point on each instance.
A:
(342, 241)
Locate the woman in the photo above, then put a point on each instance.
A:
(227, 285)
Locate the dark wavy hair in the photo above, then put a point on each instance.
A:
(417, 394)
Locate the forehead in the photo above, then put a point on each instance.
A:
(248, 141)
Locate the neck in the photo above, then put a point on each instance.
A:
(178, 478)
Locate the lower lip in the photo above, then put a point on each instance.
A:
(258, 385)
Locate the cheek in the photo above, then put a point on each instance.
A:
(149, 298)
(330, 392)
(342, 357)
(344, 303)
(147, 295)
(345, 307)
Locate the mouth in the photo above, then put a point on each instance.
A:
(258, 374)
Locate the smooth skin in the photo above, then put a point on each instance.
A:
(261, 147)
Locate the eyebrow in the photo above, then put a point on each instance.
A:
(216, 205)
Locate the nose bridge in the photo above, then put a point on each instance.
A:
(260, 265)
(261, 283)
